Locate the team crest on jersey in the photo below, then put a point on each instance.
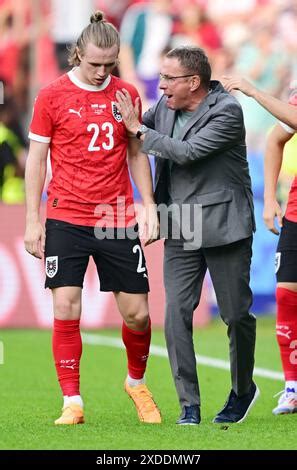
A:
(115, 112)
(51, 266)
(277, 261)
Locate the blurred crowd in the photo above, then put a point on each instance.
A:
(254, 38)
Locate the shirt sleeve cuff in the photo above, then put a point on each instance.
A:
(287, 128)
(39, 138)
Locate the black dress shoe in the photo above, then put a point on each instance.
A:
(190, 415)
(237, 408)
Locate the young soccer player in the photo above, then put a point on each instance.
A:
(90, 210)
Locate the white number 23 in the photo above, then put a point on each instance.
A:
(106, 127)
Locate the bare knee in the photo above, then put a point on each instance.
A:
(137, 320)
(134, 310)
(67, 304)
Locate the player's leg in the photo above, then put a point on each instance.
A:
(286, 316)
(286, 334)
(122, 270)
(67, 350)
(136, 334)
(65, 269)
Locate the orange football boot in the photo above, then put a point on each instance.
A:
(71, 414)
(147, 409)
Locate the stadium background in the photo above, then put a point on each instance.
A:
(257, 38)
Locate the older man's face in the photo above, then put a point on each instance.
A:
(176, 83)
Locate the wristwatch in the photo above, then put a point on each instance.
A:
(141, 130)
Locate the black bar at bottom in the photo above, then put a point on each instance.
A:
(131, 458)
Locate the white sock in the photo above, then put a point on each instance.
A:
(291, 384)
(134, 382)
(74, 399)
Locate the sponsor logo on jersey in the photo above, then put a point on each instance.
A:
(115, 112)
(73, 111)
(51, 266)
(98, 108)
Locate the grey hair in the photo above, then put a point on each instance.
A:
(193, 60)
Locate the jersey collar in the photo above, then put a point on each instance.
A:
(85, 86)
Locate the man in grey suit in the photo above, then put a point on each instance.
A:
(196, 132)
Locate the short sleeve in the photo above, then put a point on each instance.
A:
(41, 127)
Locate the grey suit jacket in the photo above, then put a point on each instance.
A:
(209, 164)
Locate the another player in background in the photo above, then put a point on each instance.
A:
(90, 210)
(286, 254)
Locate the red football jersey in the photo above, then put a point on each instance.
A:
(291, 211)
(88, 141)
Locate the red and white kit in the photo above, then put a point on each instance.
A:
(88, 150)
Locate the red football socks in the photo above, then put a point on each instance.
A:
(137, 347)
(286, 330)
(67, 349)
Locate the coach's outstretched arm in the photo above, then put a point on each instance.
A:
(282, 111)
(226, 125)
(34, 182)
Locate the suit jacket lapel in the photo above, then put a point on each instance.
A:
(170, 119)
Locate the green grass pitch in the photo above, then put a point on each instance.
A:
(31, 399)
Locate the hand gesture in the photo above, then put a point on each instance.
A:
(130, 113)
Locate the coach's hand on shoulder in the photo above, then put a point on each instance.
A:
(130, 112)
(35, 239)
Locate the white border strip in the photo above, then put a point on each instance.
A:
(39, 138)
(98, 340)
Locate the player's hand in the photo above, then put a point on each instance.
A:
(130, 113)
(35, 239)
(271, 210)
(231, 83)
(151, 226)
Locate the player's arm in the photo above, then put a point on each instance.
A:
(140, 170)
(34, 181)
(272, 165)
(285, 112)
